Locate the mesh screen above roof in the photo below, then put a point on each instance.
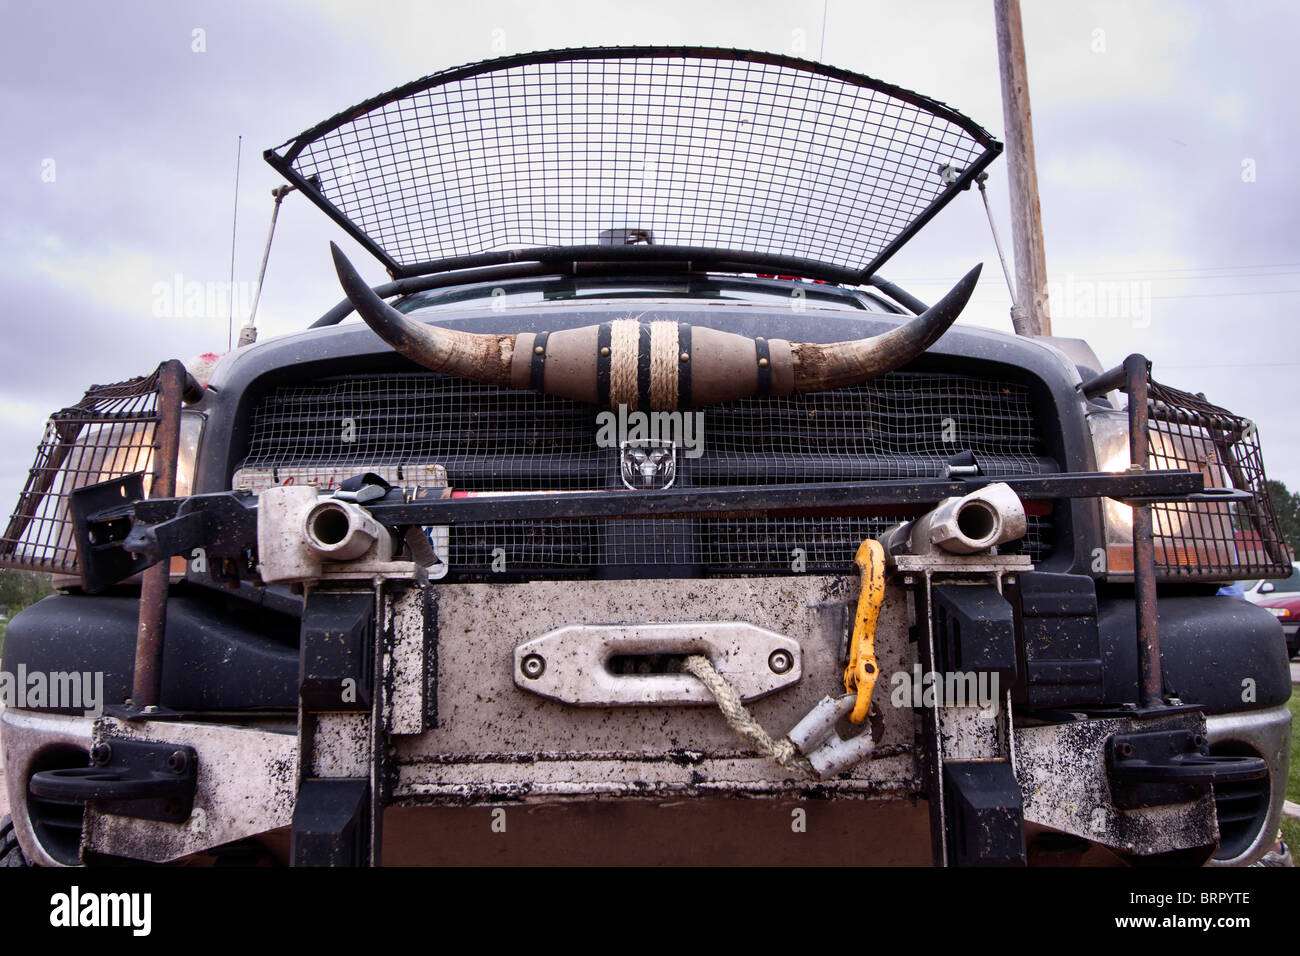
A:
(701, 148)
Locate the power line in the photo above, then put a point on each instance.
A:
(1101, 276)
(1197, 269)
(1238, 365)
(1137, 277)
(1220, 295)
(1184, 295)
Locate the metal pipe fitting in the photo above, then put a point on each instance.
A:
(341, 531)
(976, 522)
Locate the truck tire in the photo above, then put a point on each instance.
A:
(11, 854)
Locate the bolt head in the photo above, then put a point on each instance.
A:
(100, 754)
(533, 666)
(780, 661)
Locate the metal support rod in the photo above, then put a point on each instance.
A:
(1137, 371)
(146, 684)
(248, 334)
(1006, 274)
(1108, 381)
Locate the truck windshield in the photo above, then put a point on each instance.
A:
(567, 289)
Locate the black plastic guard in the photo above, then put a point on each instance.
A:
(986, 822)
(1160, 767)
(130, 778)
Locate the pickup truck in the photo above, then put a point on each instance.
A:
(641, 519)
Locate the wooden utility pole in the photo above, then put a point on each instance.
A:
(1029, 314)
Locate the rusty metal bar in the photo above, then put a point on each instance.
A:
(146, 682)
(1137, 373)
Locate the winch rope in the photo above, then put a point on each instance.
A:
(741, 720)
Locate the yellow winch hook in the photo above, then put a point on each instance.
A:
(860, 675)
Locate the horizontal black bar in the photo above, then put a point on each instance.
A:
(693, 258)
(1159, 486)
(229, 519)
(897, 293)
(519, 270)
(561, 268)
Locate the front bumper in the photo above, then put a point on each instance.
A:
(1268, 734)
(460, 729)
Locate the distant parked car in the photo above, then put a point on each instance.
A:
(1286, 608)
(1260, 590)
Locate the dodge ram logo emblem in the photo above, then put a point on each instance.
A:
(648, 465)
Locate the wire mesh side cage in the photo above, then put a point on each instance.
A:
(111, 432)
(1208, 540)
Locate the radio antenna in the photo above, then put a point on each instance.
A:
(234, 224)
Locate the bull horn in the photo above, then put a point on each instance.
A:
(657, 365)
(480, 358)
(818, 367)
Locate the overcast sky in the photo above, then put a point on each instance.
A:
(1165, 133)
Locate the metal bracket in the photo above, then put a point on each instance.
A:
(817, 740)
(129, 778)
(1160, 767)
(576, 664)
(102, 516)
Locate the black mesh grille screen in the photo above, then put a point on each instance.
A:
(905, 424)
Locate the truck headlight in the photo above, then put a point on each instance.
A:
(1110, 441)
(134, 453)
(188, 451)
(1188, 535)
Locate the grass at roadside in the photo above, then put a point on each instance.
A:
(1291, 828)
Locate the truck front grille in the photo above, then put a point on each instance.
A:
(902, 425)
